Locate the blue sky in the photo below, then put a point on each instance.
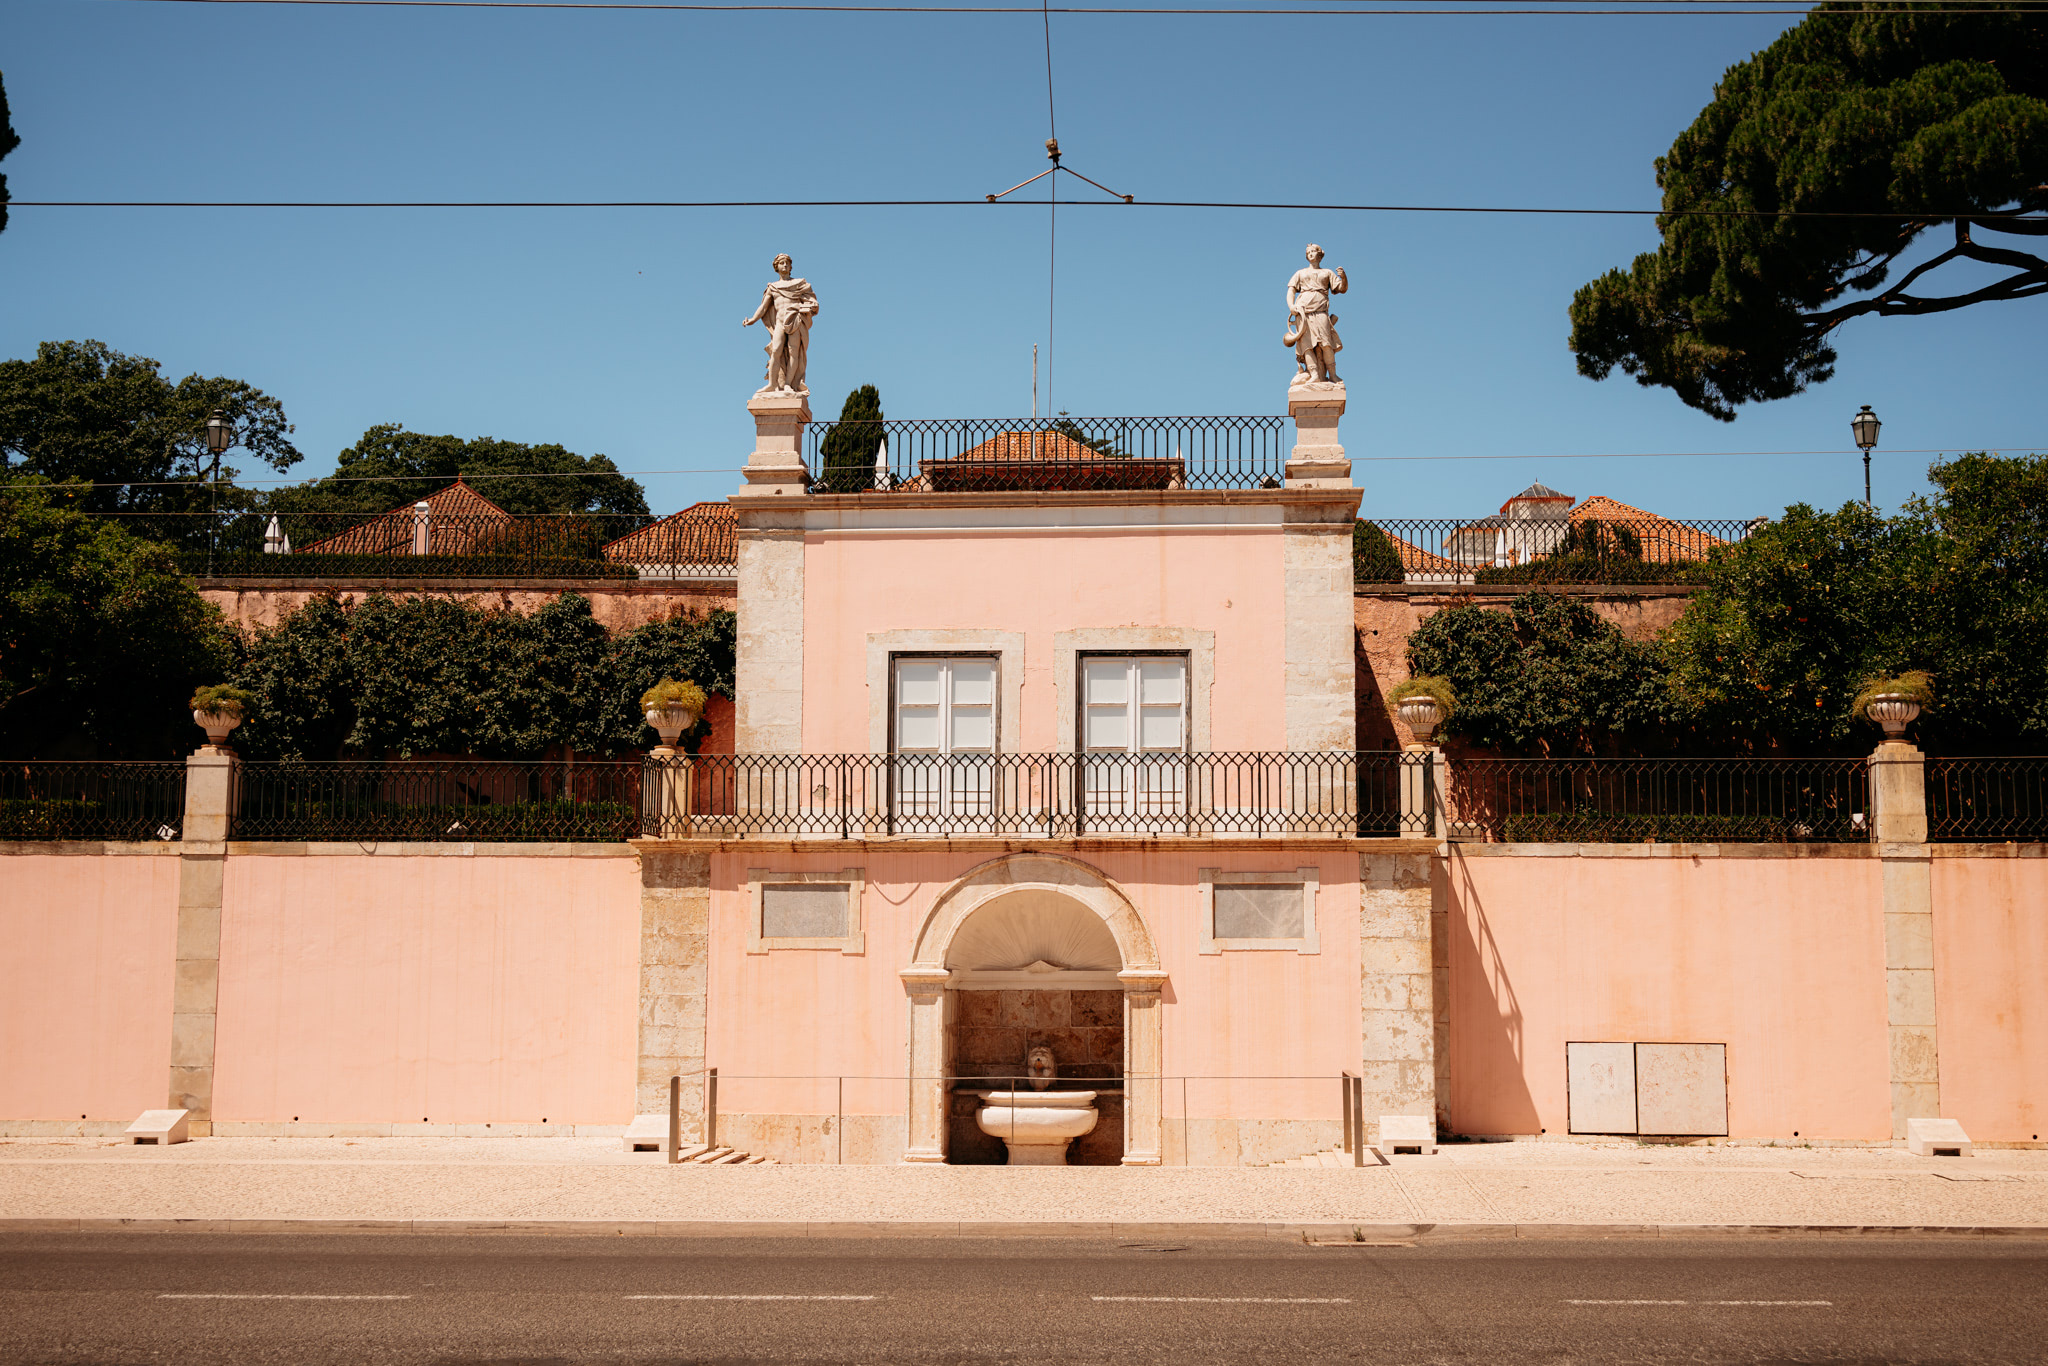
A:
(618, 330)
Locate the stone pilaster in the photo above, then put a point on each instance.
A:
(675, 952)
(1320, 677)
(1144, 1058)
(777, 463)
(930, 1061)
(1318, 459)
(211, 783)
(1898, 800)
(1398, 990)
(769, 664)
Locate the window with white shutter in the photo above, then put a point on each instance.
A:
(945, 736)
(1134, 724)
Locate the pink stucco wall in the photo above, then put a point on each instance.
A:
(1990, 964)
(440, 989)
(1227, 581)
(86, 946)
(1262, 1013)
(1780, 958)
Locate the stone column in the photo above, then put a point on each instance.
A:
(930, 1062)
(1898, 800)
(777, 464)
(1423, 775)
(1317, 460)
(769, 659)
(1397, 987)
(211, 787)
(675, 944)
(1144, 1062)
(1319, 663)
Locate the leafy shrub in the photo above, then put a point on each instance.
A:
(1425, 686)
(669, 693)
(1917, 684)
(224, 699)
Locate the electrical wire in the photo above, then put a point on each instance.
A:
(1929, 216)
(1677, 8)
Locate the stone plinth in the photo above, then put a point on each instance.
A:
(777, 463)
(1318, 459)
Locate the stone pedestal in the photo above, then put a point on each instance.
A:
(1317, 460)
(777, 464)
(1423, 781)
(1898, 816)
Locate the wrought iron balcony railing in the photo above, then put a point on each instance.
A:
(1988, 799)
(1586, 548)
(960, 455)
(91, 800)
(1692, 801)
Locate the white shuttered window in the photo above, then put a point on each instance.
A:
(1134, 720)
(945, 731)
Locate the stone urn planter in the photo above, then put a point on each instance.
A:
(216, 724)
(1422, 715)
(671, 722)
(1894, 711)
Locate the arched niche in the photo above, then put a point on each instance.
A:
(1032, 902)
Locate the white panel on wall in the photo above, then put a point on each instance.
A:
(1682, 1088)
(1600, 1084)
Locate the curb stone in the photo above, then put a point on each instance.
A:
(1319, 1234)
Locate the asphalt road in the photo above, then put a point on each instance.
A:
(169, 1299)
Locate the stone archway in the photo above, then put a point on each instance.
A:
(932, 1004)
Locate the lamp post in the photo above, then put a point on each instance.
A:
(220, 434)
(1865, 425)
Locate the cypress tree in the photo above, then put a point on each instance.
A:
(847, 454)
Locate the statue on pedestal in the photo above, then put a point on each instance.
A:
(787, 306)
(1311, 326)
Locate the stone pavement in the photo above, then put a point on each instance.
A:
(457, 1184)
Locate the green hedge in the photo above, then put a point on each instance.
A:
(1600, 569)
(1566, 827)
(550, 820)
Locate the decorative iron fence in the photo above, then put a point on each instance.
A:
(91, 800)
(429, 800)
(1988, 799)
(1538, 801)
(1564, 549)
(864, 796)
(420, 543)
(955, 455)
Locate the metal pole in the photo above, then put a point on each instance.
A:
(1866, 477)
(1358, 1120)
(711, 1107)
(1344, 1081)
(1187, 1158)
(675, 1111)
(839, 1121)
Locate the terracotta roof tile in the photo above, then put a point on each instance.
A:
(458, 519)
(1664, 541)
(703, 533)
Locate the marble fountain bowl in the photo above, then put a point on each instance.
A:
(1036, 1126)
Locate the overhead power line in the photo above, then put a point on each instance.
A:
(1445, 8)
(1927, 215)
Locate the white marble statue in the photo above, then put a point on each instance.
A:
(787, 306)
(1311, 326)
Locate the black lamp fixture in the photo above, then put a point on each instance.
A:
(220, 433)
(1865, 425)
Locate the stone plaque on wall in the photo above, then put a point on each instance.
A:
(803, 910)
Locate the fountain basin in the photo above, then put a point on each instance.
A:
(1036, 1126)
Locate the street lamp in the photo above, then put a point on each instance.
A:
(220, 434)
(1865, 425)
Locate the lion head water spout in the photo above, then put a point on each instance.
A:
(1037, 1125)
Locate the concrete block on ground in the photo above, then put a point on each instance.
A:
(1936, 1138)
(647, 1133)
(159, 1127)
(1407, 1134)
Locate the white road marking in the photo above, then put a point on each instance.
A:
(1821, 1304)
(1203, 1299)
(752, 1297)
(284, 1297)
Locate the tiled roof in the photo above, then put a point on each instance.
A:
(1046, 460)
(1664, 541)
(1416, 560)
(1540, 491)
(458, 518)
(703, 533)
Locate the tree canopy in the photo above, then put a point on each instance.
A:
(1792, 621)
(432, 675)
(1917, 117)
(391, 466)
(82, 412)
(101, 640)
(9, 140)
(847, 454)
(1549, 675)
